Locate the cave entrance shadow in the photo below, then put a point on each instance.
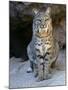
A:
(20, 36)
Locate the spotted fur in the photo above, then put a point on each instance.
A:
(43, 49)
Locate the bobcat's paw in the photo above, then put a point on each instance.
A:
(29, 70)
(39, 79)
(36, 74)
(47, 76)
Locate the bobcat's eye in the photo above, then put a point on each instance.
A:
(46, 19)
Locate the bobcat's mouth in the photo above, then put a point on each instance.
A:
(42, 34)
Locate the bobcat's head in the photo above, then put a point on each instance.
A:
(42, 23)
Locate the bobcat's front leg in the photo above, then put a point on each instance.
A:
(40, 70)
(35, 66)
(47, 74)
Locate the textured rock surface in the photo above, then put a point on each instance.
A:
(21, 17)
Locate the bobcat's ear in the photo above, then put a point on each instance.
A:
(35, 11)
(48, 11)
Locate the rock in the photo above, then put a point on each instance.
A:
(60, 34)
(21, 17)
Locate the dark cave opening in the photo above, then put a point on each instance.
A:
(20, 36)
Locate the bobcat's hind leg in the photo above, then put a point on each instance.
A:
(30, 69)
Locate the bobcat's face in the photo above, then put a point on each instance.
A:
(42, 24)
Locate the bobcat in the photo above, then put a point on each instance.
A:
(43, 48)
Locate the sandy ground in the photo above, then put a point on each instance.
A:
(19, 78)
